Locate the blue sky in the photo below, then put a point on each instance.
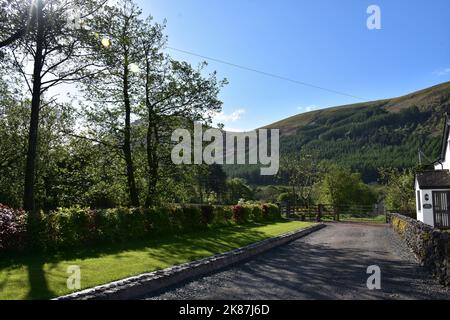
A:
(322, 42)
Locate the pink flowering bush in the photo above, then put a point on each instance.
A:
(271, 212)
(12, 229)
(241, 214)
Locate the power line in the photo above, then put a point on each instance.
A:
(267, 73)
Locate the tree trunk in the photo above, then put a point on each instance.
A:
(134, 197)
(152, 143)
(153, 164)
(294, 195)
(201, 192)
(30, 168)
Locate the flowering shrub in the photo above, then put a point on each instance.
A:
(121, 224)
(158, 220)
(207, 217)
(12, 229)
(132, 224)
(189, 218)
(76, 227)
(68, 227)
(256, 213)
(265, 211)
(107, 225)
(271, 212)
(222, 215)
(240, 214)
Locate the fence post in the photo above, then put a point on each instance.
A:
(386, 215)
(319, 212)
(335, 217)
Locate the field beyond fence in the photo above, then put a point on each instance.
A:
(329, 212)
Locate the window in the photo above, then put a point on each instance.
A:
(419, 203)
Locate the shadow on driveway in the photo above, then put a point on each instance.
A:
(329, 264)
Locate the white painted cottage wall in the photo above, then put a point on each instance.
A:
(419, 205)
(428, 216)
(425, 215)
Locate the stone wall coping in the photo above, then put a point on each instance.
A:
(421, 225)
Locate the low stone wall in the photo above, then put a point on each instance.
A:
(431, 246)
(135, 287)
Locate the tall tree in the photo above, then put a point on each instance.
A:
(14, 23)
(301, 172)
(112, 95)
(175, 93)
(398, 190)
(155, 69)
(52, 47)
(343, 189)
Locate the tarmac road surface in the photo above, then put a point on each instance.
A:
(329, 264)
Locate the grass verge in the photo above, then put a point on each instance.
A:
(45, 276)
(380, 219)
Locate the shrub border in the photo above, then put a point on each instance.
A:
(77, 227)
(147, 283)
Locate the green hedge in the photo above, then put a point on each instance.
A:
(223, 215)
(253, 212)
(271, 212)
(76, 227)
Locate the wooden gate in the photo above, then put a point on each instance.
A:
(327, 212)
(441, 209)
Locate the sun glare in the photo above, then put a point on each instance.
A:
(106, 42)
(134, 68)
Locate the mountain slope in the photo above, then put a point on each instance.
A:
(430, 98)
(369, 136)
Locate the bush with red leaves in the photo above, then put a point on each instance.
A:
(240, 214)
(12, 229)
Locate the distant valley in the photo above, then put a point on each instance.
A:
(366, 136)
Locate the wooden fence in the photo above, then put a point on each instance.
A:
(327, 212)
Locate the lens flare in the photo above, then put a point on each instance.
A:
(134, 68)
(106, 42)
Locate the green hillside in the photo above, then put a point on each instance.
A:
(368, 136)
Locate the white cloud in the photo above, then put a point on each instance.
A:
(232, 117)
(229, 129)
(442, 72)
(308, 108)
(227, 119)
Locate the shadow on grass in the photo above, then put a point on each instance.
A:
(172, 249)
(37, 280)
(208, 243)
(35, 273)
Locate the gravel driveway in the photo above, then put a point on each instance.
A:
(329, 264)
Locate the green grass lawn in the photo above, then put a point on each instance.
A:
(45, 276)
(374, 219)
(354, 218)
